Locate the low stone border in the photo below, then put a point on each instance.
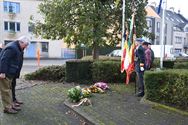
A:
(161, 106)
(23, 84)
(88, 120)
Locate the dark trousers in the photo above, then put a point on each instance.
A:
(13, 89)
(140, 81)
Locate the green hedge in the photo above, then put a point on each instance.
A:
(181, 60)
(169, 87)
(108, 71)
(168, 64)
(85, 70)
(156, 63)
(78, 70)
(52, 73)
(181, 65)
(82, 71)
(103, 58)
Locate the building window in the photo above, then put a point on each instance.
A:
(149, 24)
(178, 40)
(11, 7)
(18, 26)
(176, 28)
(157, 40)
(12, 26)
(158, 27)
(6, 26)
(44, 46)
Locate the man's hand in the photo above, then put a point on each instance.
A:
(141, 68)
(2, 76)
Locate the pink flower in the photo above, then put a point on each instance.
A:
(101, 85)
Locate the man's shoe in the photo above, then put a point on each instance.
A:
(10, 111)
(19, 102)
(16, 104)
(140, 94)
(16, 108)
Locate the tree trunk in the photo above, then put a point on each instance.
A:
(95, 51)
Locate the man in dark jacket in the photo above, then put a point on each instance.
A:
(152, 54)
(14, 99)
(11, 59)
(139, 66)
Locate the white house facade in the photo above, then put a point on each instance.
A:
(15, 20)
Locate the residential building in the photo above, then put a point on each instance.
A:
(153, 23)
(175, 31)
(16, 20)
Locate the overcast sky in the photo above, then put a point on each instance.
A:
(181, 5)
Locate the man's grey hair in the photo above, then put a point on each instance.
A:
(24, 40)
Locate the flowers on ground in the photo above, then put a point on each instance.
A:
(77, 93)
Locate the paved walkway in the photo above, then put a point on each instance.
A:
(44, 105)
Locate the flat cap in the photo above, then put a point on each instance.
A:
(140, 40)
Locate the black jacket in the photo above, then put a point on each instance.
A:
(140, 58)
(0, 50)
(11, 60)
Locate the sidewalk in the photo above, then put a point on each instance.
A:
(44, 62)
(45, 105)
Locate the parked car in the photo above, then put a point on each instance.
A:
(115, 53)
(181, 55)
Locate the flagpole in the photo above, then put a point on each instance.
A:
(123, 25)
(162, 34)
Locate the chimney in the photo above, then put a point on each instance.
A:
(172, 9)
(178, 11)
(154, 4)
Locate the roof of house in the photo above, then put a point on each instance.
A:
(176, 18)
(151, 12)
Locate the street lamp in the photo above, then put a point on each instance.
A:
(83, 46)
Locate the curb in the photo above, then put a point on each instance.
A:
(43, 58)
(161, 106)
(88, 120)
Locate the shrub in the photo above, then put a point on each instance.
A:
(181, 65)
(156, 63)
(78, 71)
(108, 71)
(168, 64)
(169, 87)
(103, 58)
(181, 60)
(52, 73)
